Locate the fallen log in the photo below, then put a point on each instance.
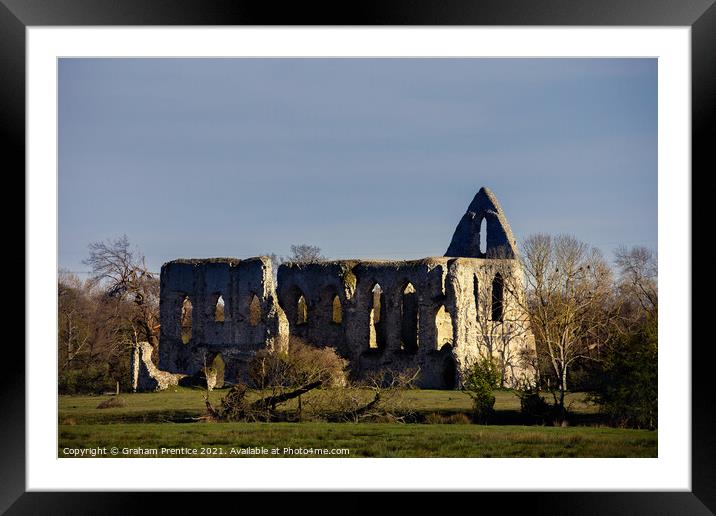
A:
(272, 401)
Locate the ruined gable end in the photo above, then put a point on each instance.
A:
(499, 242)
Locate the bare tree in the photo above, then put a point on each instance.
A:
(123, 273)
(92, 335)
(74, 328)
(568, 293)
(638, 278)
(304, 253)
(301, 253)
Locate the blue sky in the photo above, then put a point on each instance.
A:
(366, 158)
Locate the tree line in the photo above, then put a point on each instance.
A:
(595, 326)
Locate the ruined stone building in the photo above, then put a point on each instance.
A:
(437, 313)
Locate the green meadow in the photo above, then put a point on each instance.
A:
(439, 427)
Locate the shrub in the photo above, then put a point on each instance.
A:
(88, 380)
(302, 364)
(457, 419)
(628, 393)
(534, 408)
(435, 418)
(585, 375)
(324, 364)
(481, 379)
(286, 375)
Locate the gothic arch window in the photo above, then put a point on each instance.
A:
(186, 319)
(219, 309)
(254, 311)
(443, 328)
(483, 236)
(476, 295)
(336, 310)
(409, 323)
(301, 310)
(376, 339)
(498, 296)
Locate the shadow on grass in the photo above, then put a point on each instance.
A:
(500, 417)
(515, 417)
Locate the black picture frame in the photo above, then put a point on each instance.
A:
(700, 15)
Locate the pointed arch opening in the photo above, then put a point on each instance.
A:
(476, 295)
(498, 300)
(186, 319)
(443, 328)
(336, 310)
(377, 336)
(254, 310)
(449, 367)
(409, 319)
(301, 310)
(483, 236)
(219, 368)
(219, 309)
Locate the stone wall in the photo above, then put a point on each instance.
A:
(434, 313)
(145, 375)
(427, 316)
(238, 336)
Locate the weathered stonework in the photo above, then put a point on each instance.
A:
(237, 337)
(434, 313)
(411, 330)
(145, 375)
(466, 239)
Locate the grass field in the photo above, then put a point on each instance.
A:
(164, 420)
(182, 404)
(366, 439)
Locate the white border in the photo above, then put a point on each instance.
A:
(672, 468)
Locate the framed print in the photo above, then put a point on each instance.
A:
(443, 227)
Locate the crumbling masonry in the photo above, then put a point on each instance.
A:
(436, 313)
